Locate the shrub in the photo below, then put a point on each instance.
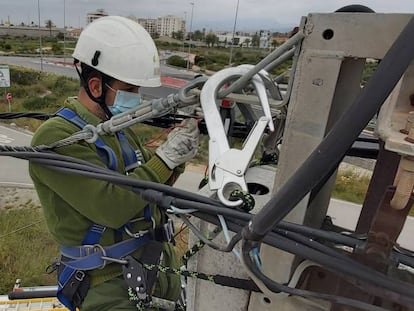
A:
(64, 85)
(39, 103)
(25, 77)
(177, 61)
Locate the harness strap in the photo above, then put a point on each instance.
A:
(128, 153)
(94, 234)
(106, 154)
(89, 258)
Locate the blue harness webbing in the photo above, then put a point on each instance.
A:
(106, 153)
(89, 255)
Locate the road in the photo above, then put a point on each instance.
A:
(14, 172)
(56, 65)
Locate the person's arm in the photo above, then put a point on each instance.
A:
(100, 201)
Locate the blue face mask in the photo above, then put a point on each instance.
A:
(124, 101)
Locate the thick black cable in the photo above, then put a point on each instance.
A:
(328, 153)
(336, 265)
(32, 115)
(195, 201)
(103, 173)
(277, 287)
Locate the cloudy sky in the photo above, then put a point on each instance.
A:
(209, 14)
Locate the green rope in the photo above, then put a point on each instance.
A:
(246, 197)
(199, 245)
(217, 279)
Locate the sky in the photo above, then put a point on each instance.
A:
(274, 15)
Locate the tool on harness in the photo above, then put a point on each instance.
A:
(138, 278)
(107, 155)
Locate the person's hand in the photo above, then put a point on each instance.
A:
(181, 144)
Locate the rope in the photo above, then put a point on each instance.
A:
(246, 197)
(199, 245)
(244, 284)
(20, 229)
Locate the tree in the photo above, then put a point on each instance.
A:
(49, 24)
(211, 38)
(274, 43)
(197, 36)
(179, 35)
(256, 40)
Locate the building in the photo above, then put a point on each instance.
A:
(264, 36)
(90, 17)
(161, 26)
(33, 32)
(225, 39)
(150, 25)
(166, 25)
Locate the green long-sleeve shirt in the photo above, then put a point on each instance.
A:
(71, 202)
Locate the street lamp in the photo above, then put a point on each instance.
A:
(185, 23)
(234, 30)
(64, 31)
(40, 37)
(190, 36)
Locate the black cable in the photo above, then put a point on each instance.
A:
(335, 264)
(194, 201)
(17, 115)
(277, 287)
(327, 154)
(77, 166)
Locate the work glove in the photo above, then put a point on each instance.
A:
(181, 144)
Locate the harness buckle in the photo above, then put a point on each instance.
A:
(139, 234)
(79, 275)
(165, 232)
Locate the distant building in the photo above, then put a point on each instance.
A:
(169, 24)
(264, 36)
(225, 39)
(33, 32)
(90, 17)
(162, 26)
(150, 25)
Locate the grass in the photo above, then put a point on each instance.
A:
(351, 186)
(26, 248)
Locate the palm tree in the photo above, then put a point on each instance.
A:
(49, 24)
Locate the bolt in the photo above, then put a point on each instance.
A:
(139, 279)
(317, 82)
(238, 172)
(409, 124)
(128, 275)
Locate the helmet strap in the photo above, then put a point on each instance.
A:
(99, 100)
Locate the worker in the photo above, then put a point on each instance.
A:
(86, 216)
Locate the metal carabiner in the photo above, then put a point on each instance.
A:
(227, 166)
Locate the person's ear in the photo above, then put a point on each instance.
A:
(95, 86)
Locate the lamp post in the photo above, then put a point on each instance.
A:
(234, 30)
(40, 37)
(185, 23)
(190, 36)
(64, 31)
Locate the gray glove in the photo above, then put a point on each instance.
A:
(181, 144)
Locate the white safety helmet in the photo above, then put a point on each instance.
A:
(121, 49)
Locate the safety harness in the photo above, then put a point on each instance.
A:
(73, 281)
